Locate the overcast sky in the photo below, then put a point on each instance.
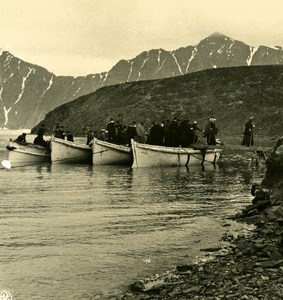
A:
(79, 37)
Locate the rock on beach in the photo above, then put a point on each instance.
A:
(251, 270)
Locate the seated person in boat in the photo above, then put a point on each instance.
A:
(70, 137)
(59, 132)
(89, 135)
(40, 141)
(103, 135)
(21, 138)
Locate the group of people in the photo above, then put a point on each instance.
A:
(172, 133)
(118, 133)
(38, 140)
(60, 133)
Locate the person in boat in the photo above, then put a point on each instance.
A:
(103, 135)
(121, 133)
(41, 130)
(131, 131)
(174, 133)
(40, 141)
(211, 131)
(184, 133)
(248, 139)
(89, 135)
(21, 138)
(141, 135)
(167, 135)
(59, 132)
(69, 136)
(193, 132)
(111, 128)
(156, 134)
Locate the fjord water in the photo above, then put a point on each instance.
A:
(83, 232)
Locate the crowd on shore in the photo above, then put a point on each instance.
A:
(171, 133)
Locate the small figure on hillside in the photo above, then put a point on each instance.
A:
(211, 131)
(248, 139)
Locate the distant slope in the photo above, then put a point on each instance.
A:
(28, 92)
(230, 94)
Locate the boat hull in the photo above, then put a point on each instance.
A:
(21, 154)
(160, 156)
(104, 153)
(63, 151)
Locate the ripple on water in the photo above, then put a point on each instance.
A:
(86, 231)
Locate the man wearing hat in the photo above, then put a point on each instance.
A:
(248, 139)
(211, 131)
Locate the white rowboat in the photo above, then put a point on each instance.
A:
(105, 153)
(23, 154)
(161, 156)
(63, 151)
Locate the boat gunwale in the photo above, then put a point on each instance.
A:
(177, 150)
(120, 148)
(26, 148)
(70, 144)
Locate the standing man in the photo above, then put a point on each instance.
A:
(248, 139)
(211, 131)
(111, 128)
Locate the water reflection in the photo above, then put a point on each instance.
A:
(86, 230)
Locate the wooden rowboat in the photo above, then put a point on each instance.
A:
(23, 154)
(161, 156)
(63, 151)
(105, 153)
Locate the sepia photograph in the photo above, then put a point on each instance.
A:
(141, 150)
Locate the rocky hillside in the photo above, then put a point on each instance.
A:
(28, 92)
(230, 94)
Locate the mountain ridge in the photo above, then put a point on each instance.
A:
(231, 95)
(28, 91)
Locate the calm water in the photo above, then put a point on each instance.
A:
(78, 232)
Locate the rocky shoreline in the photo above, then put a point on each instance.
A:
(252, 269)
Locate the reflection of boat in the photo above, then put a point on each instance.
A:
(63, 151)
(160, 156)
(27, 153)
(105, 153)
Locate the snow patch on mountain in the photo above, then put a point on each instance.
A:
(250, 58)
(32, 70)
